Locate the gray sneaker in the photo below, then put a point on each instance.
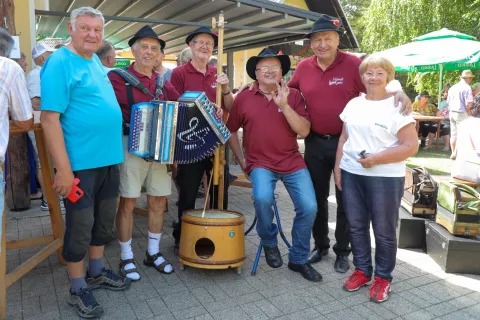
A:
(85, 304)
(107, 280)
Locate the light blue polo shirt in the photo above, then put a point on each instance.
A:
(91, 119)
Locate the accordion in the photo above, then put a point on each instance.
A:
(420, 193)
(185, 131)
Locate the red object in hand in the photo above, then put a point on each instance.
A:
(336, 22)
(76, 193)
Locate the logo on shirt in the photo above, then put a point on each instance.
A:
(335, 81)
(214, 85)
(381, 126)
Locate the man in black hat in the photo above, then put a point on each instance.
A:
(272, 154)
(198, 75)
(146, 46)
(328, 81)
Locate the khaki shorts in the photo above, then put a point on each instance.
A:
(135, 172)
(455, 119)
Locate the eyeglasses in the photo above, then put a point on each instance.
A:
(271, 68)
(209, 45)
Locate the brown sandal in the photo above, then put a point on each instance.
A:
(150, 262)
(124, 272)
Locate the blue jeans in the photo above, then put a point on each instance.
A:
(300, 188)
(375, 199)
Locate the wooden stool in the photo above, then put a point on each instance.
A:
(53, 243)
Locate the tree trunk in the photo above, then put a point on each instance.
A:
(18, 168)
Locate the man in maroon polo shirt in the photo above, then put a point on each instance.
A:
(135, 171)
(197, 75)
(328, 81)
(272, 115)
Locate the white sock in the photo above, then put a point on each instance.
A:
(154, 248)
(126, 254)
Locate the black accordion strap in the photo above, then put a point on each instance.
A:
(133, 81)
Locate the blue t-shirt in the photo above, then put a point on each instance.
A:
(81, 92)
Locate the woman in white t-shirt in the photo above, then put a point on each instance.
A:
(468, 145)
(370, 170)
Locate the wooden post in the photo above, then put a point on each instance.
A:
(18, 167)
(219, 160)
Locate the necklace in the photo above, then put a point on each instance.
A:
(265, 93)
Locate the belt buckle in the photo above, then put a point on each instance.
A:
(327, 136)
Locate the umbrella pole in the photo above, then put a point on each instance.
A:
(440, 85)
(219, 160)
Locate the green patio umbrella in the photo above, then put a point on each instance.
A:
(437, 51)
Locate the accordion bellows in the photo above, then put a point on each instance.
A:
(186, 131)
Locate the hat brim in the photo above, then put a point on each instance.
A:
(252, 64)
(132, 41)
(309, 35)
(193, 35)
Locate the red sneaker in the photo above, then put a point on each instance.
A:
(380, 289)
(356, 280)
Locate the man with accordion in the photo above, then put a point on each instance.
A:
(197, 75)
(136, 84)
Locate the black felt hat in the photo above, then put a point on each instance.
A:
(200, 31)
(326, 23)
(267, 53)
(146, 32)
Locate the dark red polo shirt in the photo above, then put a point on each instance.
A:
(328, 92)
(268, 139)
(187, 78)
(138, 96)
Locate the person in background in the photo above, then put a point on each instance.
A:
(443, 111)
(376, 140)
(184, 56)
(475, 89)
(82, 122)
(14, 100)
(468, 147)
(459, 101)
(163, 71)
(425, 108)
(107, 55)
(40, 54)
(22, 61)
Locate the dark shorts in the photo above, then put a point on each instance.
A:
(89, 221)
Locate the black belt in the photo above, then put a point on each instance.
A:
(325, 136)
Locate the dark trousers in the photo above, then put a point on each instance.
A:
(320, 156)
(189, 177)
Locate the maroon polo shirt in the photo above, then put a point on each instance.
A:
(268, 139)
(187, 78)
(328, 92)
(138, 96)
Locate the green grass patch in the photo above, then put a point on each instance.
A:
(436, 162)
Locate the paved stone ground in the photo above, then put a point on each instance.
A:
(420, 289)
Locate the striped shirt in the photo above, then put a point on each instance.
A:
(14, 98)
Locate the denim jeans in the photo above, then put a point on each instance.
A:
(300, 188)
(375, 199)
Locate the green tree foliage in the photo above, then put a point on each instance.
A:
(390, 23)
(354, 11)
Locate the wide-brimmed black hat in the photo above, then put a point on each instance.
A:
(267, 53)
(146, 32)
(326, 23)
(200, 31)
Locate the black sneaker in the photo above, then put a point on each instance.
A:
(44, 205)
(85, 304)
(273, 257)
(107, 280)
(306, 270)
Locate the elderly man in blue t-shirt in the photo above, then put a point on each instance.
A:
(82, 122)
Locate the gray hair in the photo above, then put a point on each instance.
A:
(213, 61)
(184, 56)
(104, 50)
(84, 11)
(6, 43)
(476, 86)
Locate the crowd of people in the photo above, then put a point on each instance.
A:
(356, 128)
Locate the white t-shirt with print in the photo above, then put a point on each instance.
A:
(372, 126)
